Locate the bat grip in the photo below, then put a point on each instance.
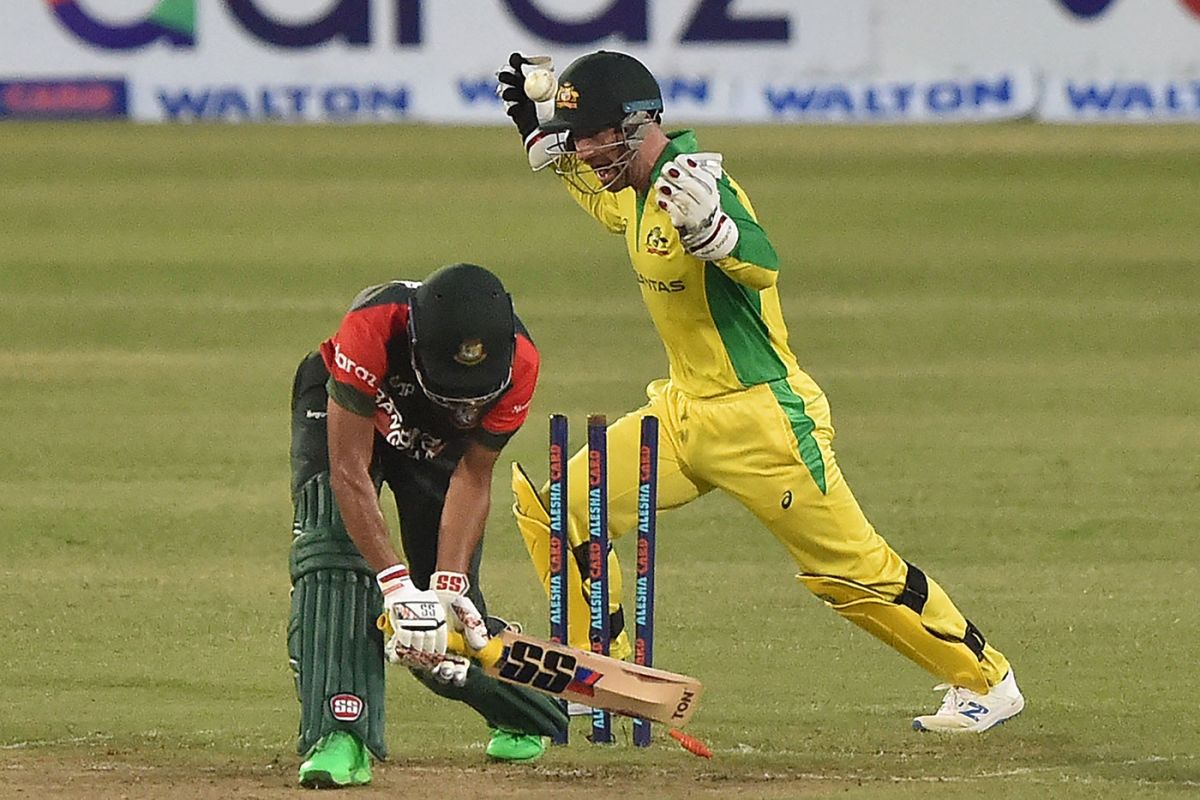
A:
(489, 655)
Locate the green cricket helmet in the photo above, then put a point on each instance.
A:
(462, 335)
(600, 91)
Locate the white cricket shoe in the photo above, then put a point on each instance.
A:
(964, 711)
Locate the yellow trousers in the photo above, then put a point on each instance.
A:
(771, 447)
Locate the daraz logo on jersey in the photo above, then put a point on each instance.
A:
(347, 364)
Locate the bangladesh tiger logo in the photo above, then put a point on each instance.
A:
(470, 353)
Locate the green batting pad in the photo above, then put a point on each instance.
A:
(334, 648)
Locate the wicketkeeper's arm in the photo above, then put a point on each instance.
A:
(753, 263)
(714, 219)
(544, 149)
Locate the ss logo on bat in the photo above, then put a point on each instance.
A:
(548, 670)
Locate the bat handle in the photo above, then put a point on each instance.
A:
(489, 655)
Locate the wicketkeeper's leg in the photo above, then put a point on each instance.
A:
(794, 485)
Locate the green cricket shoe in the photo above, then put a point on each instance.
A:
(338, 760)
(512, 746)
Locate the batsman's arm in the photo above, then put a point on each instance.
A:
(351, 443)
(753, 263)
(468, 500)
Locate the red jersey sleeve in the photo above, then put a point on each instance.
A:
(509, 413)
(356, 356)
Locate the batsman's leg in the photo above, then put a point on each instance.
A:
(334, 649)
(420, 491)
(675, 488)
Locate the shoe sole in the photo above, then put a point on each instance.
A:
(514, 760)
(325, 780)
(319, 780)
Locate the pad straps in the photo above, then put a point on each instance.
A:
(916, 593)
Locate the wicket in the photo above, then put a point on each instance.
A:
(597, 547)
(647, 526)
(558, 538)
(597, 560)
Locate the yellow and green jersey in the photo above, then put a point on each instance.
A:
(720, 321)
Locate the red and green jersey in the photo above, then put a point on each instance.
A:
(371, 374)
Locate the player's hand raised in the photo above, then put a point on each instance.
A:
(511, 91)
(687, 190)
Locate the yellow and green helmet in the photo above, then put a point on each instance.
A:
(599, 91)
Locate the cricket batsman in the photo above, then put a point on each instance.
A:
(736, 411)
(421, 387)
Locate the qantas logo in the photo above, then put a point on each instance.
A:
(655, 285)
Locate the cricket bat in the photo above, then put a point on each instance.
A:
(589, 678)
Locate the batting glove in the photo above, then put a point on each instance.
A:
(416, 617)
(452, 670)
(687, 190)
(451, 590)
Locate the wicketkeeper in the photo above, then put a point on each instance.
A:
(420, 388)
(737, 413)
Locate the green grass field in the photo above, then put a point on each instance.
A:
(1006, 320)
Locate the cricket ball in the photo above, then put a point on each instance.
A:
(540, 85)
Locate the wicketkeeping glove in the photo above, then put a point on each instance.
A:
(451, 589)
(542, 149)
(687, 190)
(417, 618)
(511, 90)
